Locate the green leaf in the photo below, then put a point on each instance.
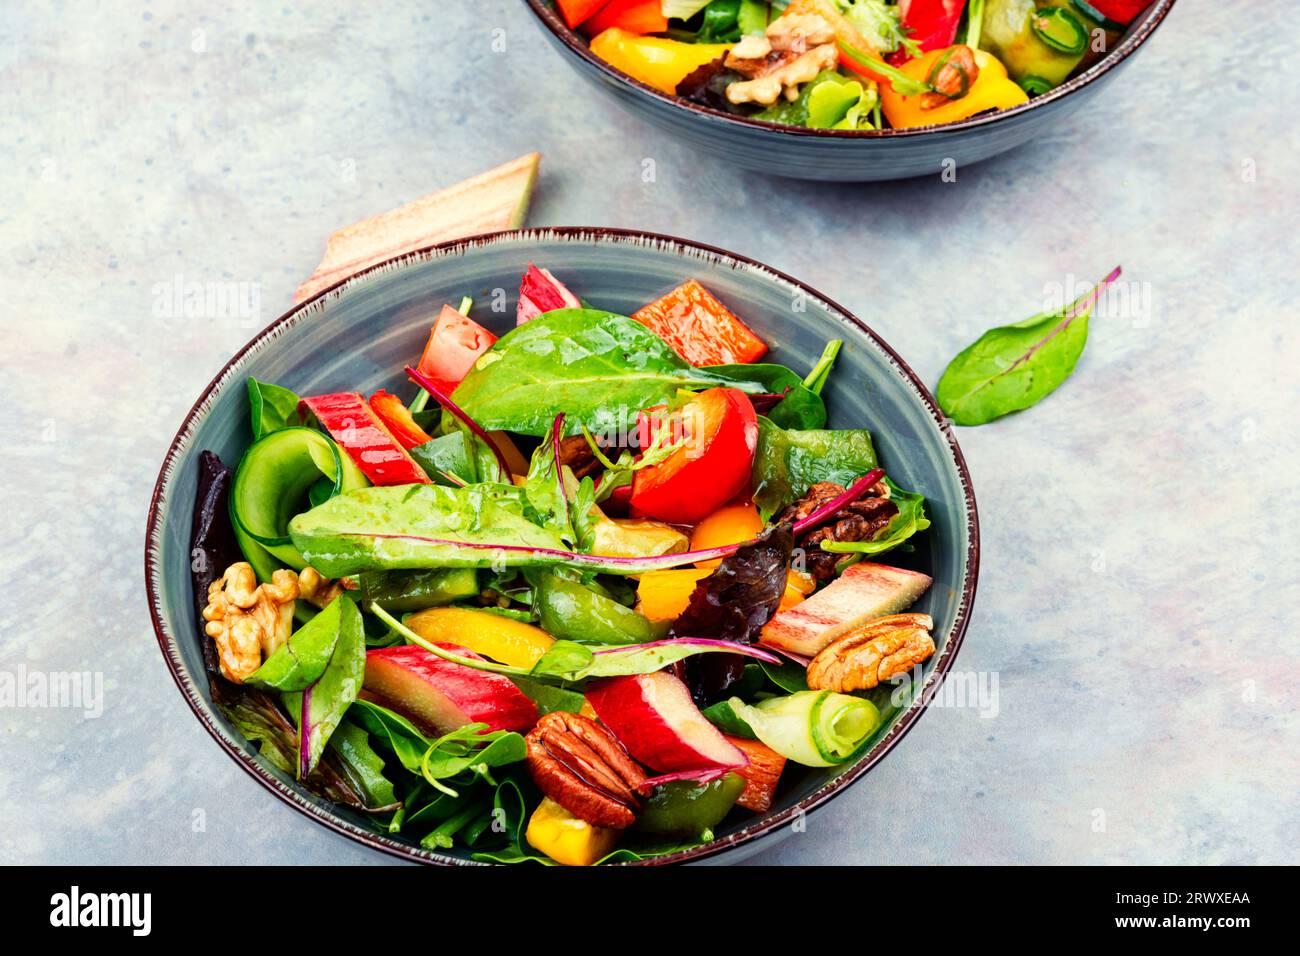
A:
(549, 698)
(790, 677)
(363, 767)
(789, 461)
(394, 731)
(909, 520)
(723, 716)
(563, 659)
(1013, 367)
(300, 662)
(826, 102)
(801, 408)
(597, 367)
(327, 700)
(418, 526)
(272, 407)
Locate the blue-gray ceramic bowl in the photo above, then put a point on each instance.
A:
(846, 155)
(359, 334)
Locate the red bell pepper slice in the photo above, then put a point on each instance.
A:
(455, 343)
(1122, 12)
(700, 328)
(932, 24)
(539, 292)
(575, 11)
(397, 418)
(359, 432)
(633, 16)
(710, 469)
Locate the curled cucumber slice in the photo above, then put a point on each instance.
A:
(274, 480)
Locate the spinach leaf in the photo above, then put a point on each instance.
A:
(597, 367)
(790, 677)
(801, 408)
(1012, 367)
(910, 519)
(272, 407)
(457, 453)
(394, 731)
(470, 748)
(300, 662)
(419, 526)
(361, 765)
(549, 698)
(789, 461)
(325, 702)
(720, 22)
(509, 817)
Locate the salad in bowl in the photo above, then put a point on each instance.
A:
(605, 587)
(852, 64)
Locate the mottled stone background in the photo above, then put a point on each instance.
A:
(1139, 587)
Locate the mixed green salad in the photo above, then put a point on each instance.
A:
(580, 597)
(852, 64)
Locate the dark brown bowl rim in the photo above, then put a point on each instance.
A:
(1126, 48)
(748, 834)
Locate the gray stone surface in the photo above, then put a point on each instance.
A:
(1139, 587)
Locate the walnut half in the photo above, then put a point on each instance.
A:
(795, 48)
(873, 653)
(584, 768)
(249, 621)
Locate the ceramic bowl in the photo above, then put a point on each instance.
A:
(847, 155)
(359, 334)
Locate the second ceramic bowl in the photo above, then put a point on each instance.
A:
(846, 155)
(359, 334)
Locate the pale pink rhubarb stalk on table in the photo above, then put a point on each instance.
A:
(489, 202)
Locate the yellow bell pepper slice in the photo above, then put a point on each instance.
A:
(503, 639)
(566, 839)
(992, 90)
(656, 61)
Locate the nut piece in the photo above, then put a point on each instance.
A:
(316, 589)
(872, 653)
(859, 520)
(584, 768)
(953, 79)
(795, 48)
(249, 621)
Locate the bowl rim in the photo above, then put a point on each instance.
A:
(321, 812)
(1127, 47)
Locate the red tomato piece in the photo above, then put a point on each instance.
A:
(454, 346)
(700, 328)
(712, 468)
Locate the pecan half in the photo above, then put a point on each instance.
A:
(872, 653)
(860, 520)
(584, 768)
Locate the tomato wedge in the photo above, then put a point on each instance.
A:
(455, 343)
(713, 466)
